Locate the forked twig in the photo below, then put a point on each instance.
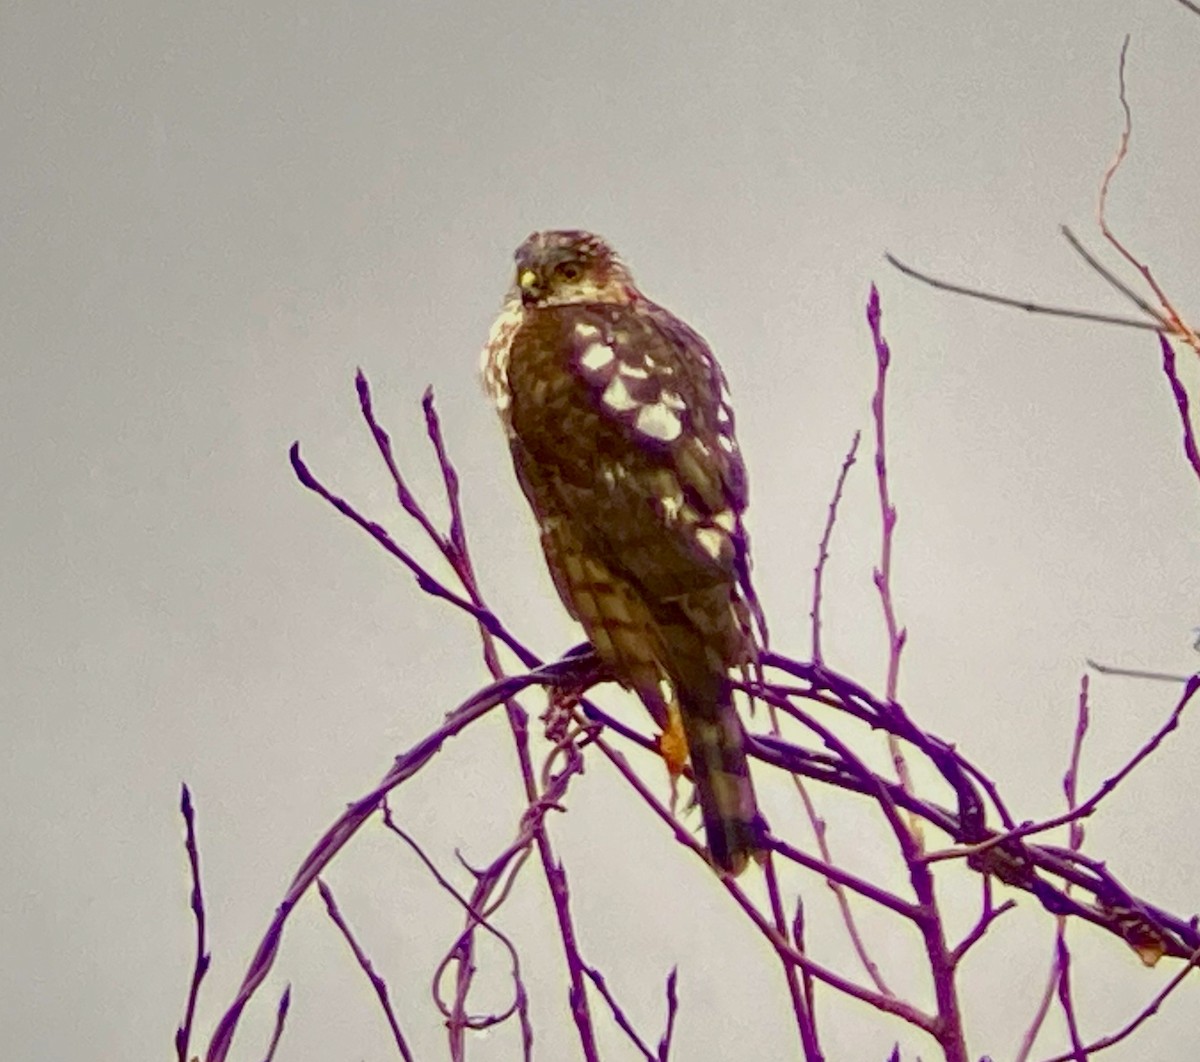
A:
(1027, 305)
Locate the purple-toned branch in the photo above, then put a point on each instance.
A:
(823, 549)
(832, 872)
(877, 1000)
(281, 1013)
(897, 635)
(377, 983)
(552, 868)
(802, 1001)
(1065, 999)
(1147, 1012)
(383, 441)
(664, 1045)
(1047, 872)
(427, 583)
(1042, 1009)
(987, 915)
(520, 1003)
(1071, 777)
(836, 886)
(457, 534)
(183, 1035)
(1090, 805)
(405, 766)
(1062, 954)
(619, 1015)
(453, 547)
(1179, 393)
(556, 877)
(941, 962)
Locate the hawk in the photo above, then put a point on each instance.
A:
(619, 422)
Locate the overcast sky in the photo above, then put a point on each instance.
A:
(213, 213)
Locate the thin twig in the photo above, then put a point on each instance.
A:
(1089, 806)
(1075, 842)
(1176, 322)
(1190, 446)
(520, 1003)
(802, 1001)
(348, 823)
(183, 1035)
(1162, 324)
(619, 1016)
(823, 549)
(1148, 1011)
(837, 875)
(377, 983)
(427, 583)
(281, 1013)
(454, 548)
(837, 884)
(987, 915)
(664, 1044)
(1028, 307)
(1078, 1052)
(1042, 1009)
(1127, 672)
(897, 635)
(878, 1001)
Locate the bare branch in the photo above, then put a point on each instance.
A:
(823, 548)
(1158, 676)
(1148, 1011)
(1032, 307)
(1190, 446)
(183, 1035)
(377, 983)
(281, 1013)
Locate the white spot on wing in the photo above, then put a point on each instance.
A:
(635, 372)
(711, 541)
(666, 691)
(595, 356)
(659, 422)
(586, 331)
(725, 519)
(617, 397)
(672, 400)
(611, 472)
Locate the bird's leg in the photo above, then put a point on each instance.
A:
(672, 746)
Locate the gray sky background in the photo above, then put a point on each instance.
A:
(212, 214)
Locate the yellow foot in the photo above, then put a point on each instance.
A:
(672, 745)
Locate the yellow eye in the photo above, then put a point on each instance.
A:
(569, 270)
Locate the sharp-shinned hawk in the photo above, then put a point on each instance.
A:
(621, 431)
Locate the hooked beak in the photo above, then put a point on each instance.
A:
(531, 290)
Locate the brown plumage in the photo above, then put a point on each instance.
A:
(621, 433)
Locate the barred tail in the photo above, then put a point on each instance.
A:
(716, 746)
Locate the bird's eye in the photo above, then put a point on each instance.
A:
(569, 270)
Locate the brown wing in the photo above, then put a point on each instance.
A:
(628, 416)
(623, 441)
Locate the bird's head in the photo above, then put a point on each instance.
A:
(560, 267)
